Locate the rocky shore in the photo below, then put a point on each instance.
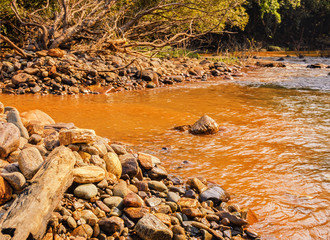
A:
(62, 182)
(59, 72)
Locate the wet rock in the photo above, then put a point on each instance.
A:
(29, 162)
(86, 191)
(130, 166)
(316, 65)
(147, 161)
(88, 174)
(205, 125)
(84, 230)
(113, 164)
(188, 203)
(14, 117)
(136, 213)
(20, 78)
(150, 227)
(111, 225)
(71, 136)
(198, 185)
(156, 185)
(15, 179)
(9, 138)
(119, 149)
(216, 194)
(5, 191)
(158, 173)
(133, 200)
(232, 218)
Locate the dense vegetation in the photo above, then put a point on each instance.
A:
(123, 24)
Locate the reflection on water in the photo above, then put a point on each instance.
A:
(273, 155)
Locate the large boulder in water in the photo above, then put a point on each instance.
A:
(205, 125)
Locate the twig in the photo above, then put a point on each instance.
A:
(14, 46)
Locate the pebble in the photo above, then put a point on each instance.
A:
(86, 191)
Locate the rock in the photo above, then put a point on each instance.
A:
(133, 200)
(119, 149)
(71, 222)
(36, 116)
(192, 212)
(88, 215)
(51, 141)
(86, 191)
(35, 139)
(156, 185)
(216, 194)
(147, 161)
(20, 78)
(112, 225)
(120, 189)
(188, 203)
(9, 138)
(136, 213)
(88, 174)
(71, 136)
(5, 191)
(31, 71)
(205, 125)
(198, 185)
(150, 227)
(114, 201)
(173, 197)
(130, 166)
(158, 173)
(153, 201)
(15, 179)
(113, 164)
(14, 117)
(103, 207)
(56, 52)
(151, 85)
(84, 230)
(29, 162)
(232, 218)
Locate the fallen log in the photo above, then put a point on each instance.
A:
(29, 214)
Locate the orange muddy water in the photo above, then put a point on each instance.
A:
(273, 155)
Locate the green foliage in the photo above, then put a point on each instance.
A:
(169, 52)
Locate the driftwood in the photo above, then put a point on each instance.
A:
(29, 214)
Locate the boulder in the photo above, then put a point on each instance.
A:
(113, 164)
(88, 174)
(71, 136)
(9, 138)
(119, 149)
(14, 117)
(29, 161)
(205, 125)
(150, 227)
(36, 116)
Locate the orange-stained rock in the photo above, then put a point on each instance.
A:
(188, 203)
(56, 52)
(9, 138)
(5, 191)
(36, 115)
(79, 135)
(205, 125)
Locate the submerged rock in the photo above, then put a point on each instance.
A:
(205, 125)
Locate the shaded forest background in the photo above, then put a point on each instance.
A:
(122, 25)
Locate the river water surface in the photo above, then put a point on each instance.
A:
(273, 155)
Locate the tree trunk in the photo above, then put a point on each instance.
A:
(29, 214)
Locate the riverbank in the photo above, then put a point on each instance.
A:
(59, 72)
(90, 188)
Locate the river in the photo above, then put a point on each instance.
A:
(273, 154)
